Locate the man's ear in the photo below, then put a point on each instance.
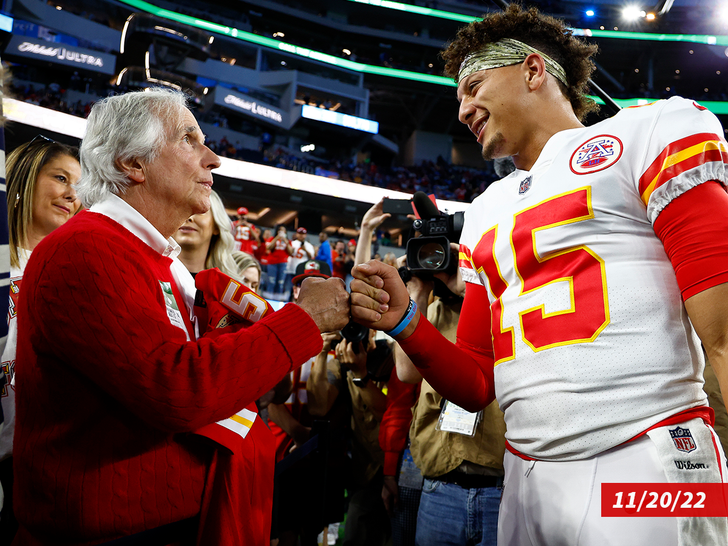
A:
(535, 68)
(133, 169)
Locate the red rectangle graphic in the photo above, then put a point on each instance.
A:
(664, 500)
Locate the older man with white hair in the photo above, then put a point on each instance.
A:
(117, 374)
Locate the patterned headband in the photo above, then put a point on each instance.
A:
(506, 52)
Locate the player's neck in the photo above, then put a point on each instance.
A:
(546, 126)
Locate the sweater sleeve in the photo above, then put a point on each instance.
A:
(396, 421)
(98, 307)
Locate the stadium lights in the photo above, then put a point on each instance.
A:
(723, 14)
(697, 38)
(632, 13)
(590, 13)
(384, 70)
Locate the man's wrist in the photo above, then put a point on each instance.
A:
(360, 381)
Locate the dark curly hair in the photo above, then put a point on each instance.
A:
(540, 31)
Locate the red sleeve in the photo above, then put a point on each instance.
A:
(97, 308)
(693, 229)
(396, 421)
(461, 373)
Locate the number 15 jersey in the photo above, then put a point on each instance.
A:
(591, 338)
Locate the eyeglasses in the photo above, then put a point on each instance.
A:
(41, 139)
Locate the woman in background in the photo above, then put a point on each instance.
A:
(40, 177)
(249, 268)
(207, 240)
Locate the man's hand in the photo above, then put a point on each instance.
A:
(379, 298)
(328, 337)
(455, 283)
(374, 217)
(326, 301)
(419, 289)
(356, 362)
(390, 495)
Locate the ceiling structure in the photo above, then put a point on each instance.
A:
(627, 68)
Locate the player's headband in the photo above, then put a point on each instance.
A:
(506, 52)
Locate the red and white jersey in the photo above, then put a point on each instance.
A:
(7, 394)
(243, 235)
(299, 255)
(592, 342)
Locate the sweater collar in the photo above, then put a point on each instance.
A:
(123, 213)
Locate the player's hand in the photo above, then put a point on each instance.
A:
(374, 217)
(326, 301)
(390, 495)
(379, 298)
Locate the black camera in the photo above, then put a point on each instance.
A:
(431, 251)
(355, 334)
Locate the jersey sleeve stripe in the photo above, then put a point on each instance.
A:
(710, 153)
(465, 259)
(680, 156)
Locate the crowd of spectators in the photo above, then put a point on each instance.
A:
(444, 180)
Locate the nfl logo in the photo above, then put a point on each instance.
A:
(525, 185)
(683, 439)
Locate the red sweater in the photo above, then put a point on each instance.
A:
(108, 388)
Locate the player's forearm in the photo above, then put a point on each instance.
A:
(458, 373)
(406, 370)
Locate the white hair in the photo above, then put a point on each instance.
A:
(121, 128)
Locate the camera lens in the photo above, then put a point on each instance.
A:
(431, 256)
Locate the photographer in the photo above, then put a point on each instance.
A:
(458, 465)
(362, 368)
(291, 425)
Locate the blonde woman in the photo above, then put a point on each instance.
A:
(40, 176)
(207, 240)
(249, 268)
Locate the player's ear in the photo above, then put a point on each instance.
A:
(534, 70)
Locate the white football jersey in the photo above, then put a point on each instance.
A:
(591, 338)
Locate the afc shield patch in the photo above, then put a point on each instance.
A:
(596, 154)
(683, 439)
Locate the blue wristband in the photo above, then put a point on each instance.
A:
(406, 319)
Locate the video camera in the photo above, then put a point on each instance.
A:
(431, 252)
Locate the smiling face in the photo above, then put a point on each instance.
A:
(54, 200)
(179, 179)
(197, 231)
(491, 105)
